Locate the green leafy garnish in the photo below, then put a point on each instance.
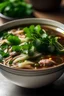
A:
(4, 46)
(16, 48)
(4, 54)
(31, 51)
(14, 40)
(16, 8)
(42, 41)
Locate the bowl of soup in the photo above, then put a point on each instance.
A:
(32, 51)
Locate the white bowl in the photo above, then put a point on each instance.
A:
(32, 78)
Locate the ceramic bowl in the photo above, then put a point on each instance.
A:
(5, 18)
(32, 78)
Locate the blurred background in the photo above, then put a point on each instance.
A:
(19, 9)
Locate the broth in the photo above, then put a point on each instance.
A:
(32, 47)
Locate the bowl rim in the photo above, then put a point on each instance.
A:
(31, 70)
(11, 18)
(34, 70)
(34, 19)
(5, 17)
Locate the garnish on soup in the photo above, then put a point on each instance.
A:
(31, 47)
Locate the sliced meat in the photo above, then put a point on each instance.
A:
(47, 62)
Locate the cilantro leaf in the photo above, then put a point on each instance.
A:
(14, 40)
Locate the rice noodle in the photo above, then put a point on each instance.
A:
(23, 57)
(3, 41)
(23, 64)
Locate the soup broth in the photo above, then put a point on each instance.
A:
(32, 47)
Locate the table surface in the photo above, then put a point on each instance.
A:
(9, 89)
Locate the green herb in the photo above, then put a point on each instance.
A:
(33, 32)
(16, 8)
(16, 48)
(4, 54)
(5, 35)
(31, 51)
(4, 46)
(14, 40)
(42, 41)
(27, 32)
(38, 29)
